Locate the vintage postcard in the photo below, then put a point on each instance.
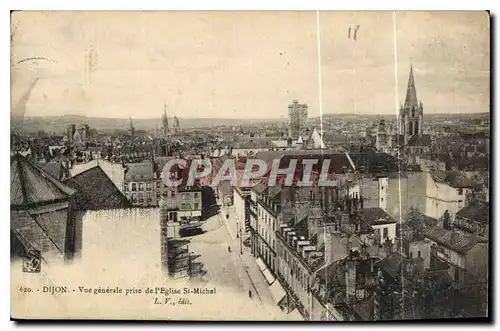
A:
(250, 165)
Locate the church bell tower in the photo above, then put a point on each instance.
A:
(412, 112)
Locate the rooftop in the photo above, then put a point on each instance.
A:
(455, 241)
(31, 185)
(375, 216)
(96, 191)
(453, 178)
(477, 210)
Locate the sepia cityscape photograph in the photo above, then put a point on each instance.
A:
(250, 165)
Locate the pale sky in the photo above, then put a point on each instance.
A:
(249, 64)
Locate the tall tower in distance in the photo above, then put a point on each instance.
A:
(165, 121)
(176, 125)
(131, 128)
(411, 114)
(297, 115)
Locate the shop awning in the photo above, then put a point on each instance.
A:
(277, 291)
(261, 264)
(269, 277)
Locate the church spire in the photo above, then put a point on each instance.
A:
(411, 92)
(165, 120)
(131, 127)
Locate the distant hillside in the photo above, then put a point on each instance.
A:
(427, 116)
(59, 124)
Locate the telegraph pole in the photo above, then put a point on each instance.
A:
(241, 244)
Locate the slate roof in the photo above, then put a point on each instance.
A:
(455, 241)
(55, 169)
(96, 191)
(375, 216)
(477, 210)
(38, 232)
(453, 178)
(31, 185)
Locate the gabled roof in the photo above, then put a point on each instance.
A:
(316, 140)
(455, 241)
(375, 216)
(477, 210)
(96, 191)
(31, 185)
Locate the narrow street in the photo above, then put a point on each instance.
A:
(230, 269)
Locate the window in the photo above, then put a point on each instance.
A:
(158, 196)
(134, 187)
(148, 186)
(460, 191)
(411, 255)
(173, 194)
(141, 197)
(158, 184)
(196, 206)
(195, 195)
(125, 187)
(134, 198)
(386, 233)
(149, 197)
(141, 186)
(419, 255)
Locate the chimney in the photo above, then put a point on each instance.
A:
(328, 246)
(350, 281)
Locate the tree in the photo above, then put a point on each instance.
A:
(416, 223)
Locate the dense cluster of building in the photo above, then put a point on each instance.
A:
(402, 235)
